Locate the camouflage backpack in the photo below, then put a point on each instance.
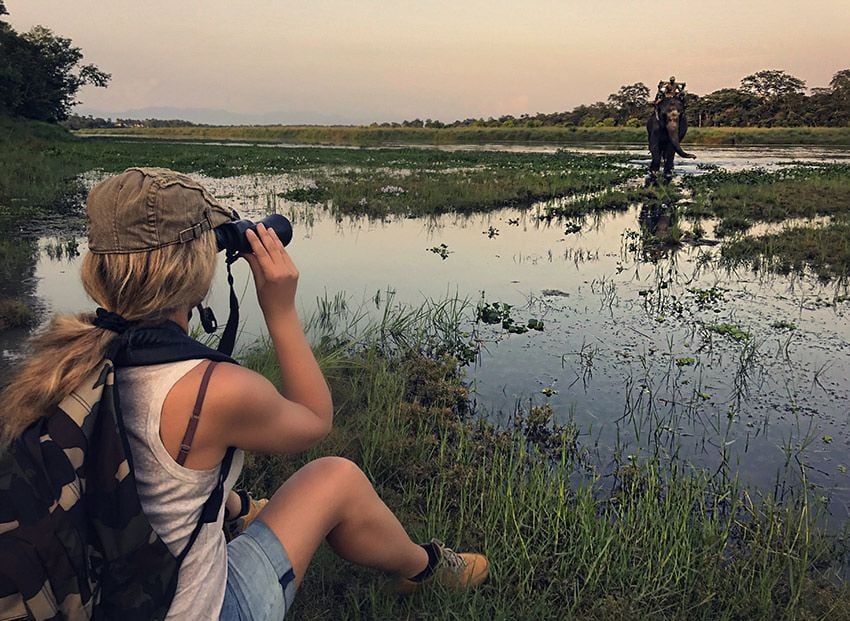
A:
(74, 542)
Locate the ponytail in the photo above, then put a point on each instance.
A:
(143, 286)
(64, 354)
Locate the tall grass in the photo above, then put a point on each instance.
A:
(648, 540)
(354, 135)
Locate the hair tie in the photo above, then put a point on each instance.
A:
(111, 321)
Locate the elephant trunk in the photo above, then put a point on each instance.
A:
(673, 134)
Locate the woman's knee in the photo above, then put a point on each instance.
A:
(339, 472)
(321, 489)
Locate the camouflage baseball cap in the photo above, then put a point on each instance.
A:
(146, 208)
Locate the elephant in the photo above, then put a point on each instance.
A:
(665, 128)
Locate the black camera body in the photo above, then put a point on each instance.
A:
(230, 236)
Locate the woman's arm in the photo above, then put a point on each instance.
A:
(276, 279)
(252, 414)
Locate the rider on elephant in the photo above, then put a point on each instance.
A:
(670, 88)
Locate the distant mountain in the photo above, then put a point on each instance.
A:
(212, 116)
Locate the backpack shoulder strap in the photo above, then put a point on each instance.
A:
(211, 508)
(191, 428)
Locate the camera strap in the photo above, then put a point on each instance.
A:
(228, 337)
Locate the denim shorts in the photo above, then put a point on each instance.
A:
(260, 579)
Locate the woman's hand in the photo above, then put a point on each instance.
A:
(275, 274)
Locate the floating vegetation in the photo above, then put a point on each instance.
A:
(535, 324)
(493, 313)
(707, 298)
(442, 251)
(554, 293)
(784, 324)
(500, 313)
(729, 329)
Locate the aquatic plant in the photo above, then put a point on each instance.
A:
(442, 251)
(728, 329)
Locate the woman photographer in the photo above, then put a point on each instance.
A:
(152, 255)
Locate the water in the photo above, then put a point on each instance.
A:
(625, 353)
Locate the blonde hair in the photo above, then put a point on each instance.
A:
(146, 286)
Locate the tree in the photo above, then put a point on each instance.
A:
(724, 107)
(630, 96)
(772, 84)
(832, 105)
(41, 73)
(631, 100)
(840, 82)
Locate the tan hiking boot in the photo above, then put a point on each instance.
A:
(236, 526)
(454, 570)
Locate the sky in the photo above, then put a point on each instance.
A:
(358, 61)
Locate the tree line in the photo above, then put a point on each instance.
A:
(768, 98)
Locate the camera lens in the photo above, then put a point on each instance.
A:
(231, 235)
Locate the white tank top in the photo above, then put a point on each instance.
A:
(172, 495)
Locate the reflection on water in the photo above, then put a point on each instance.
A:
(642, 355)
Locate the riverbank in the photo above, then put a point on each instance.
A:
(352, 135)
(638, 540)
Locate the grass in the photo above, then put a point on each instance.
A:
(743, 198)
(822, 250)
(353, 135)
(38, 176)
(32, 171)
(804, 192)
(644, 541)
(486, 181)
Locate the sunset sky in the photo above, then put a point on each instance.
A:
(357, 61)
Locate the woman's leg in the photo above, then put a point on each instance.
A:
(330, 498)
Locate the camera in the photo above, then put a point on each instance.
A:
(230, 236)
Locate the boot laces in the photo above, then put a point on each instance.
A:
(451, 559)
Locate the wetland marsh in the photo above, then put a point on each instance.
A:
(541, 307)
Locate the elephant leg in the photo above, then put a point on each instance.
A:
(655, 164)
(668, 163)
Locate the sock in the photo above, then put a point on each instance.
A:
(433, 559)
